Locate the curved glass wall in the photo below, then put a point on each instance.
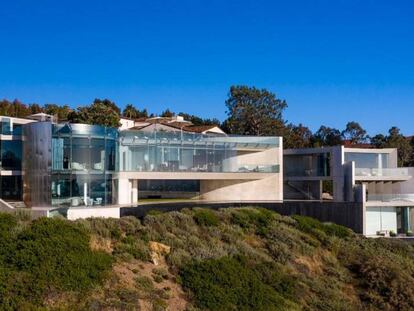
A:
(83, 163)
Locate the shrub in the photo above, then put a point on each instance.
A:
(229, 284)
(50, 254)
(253, 218)
(204, 217)
(321, 230)
(131, 246)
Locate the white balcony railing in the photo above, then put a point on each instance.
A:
(391, 197)
(382, 172)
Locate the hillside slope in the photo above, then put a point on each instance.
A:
(230, 259)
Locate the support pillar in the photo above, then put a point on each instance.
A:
(134, 191)
(124, 191)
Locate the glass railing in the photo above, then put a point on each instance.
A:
(295, 172)
(131, 137)
(175, 166)
(391, 197)
(382, 172)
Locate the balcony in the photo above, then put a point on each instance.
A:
(386, 174)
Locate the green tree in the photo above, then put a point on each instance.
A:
(326, 136)
(130, 112)
(104, 113)
(196, 120)
(167, 113)
(379, 141)
(14, 109)
(252, 111)
(396, 140)
(133, 113)
(35, 108)
(297, 136)
(62, 112)
(108, 103)
(355, 133)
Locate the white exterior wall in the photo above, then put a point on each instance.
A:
(267, 189)
(405, 187)
(124, 191)
(82, 213)
(126, 124)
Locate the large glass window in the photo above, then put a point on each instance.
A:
(97, 190)
(97, 154)
(11, 187)
(110, 155)
(183, 189)
(368, 160)
(307, 165)
(61, 190)
(6, 127)
(80, 154)
(11, 154)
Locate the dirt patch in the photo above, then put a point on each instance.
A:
(127, 272)
(254, 241)
(310, 265)
(98, 243)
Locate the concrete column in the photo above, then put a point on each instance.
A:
(134, 191)
(380, 166)
(85, 193)
(338, 173)
(124, 191)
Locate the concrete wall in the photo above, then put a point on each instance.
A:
(349, 181)
(405, 187)
(337, 173)
(82, 213)
(347, 214)
(124, 191)
(267, 189)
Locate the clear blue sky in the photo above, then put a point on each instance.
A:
(333, 61)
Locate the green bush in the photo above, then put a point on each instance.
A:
(48, 254)
(205, 217)
(321, 230)
(133, 247)
(230, 284)
(253, 218)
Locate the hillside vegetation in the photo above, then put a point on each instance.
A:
(230, 259)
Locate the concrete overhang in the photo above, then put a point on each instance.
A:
(396, 203)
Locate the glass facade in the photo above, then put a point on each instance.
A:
(11, 188)
(83, 163)
(368, 160)
(188, 152)
(307, 165)
(11, 154)
(74, 165)
(168, 188)
(10, 128)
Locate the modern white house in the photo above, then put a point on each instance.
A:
(96, 170)
(90, 170)
(367, 176)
